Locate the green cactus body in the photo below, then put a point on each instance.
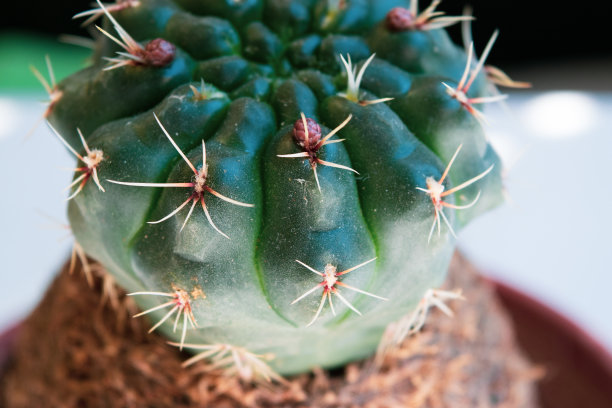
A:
(264, 64)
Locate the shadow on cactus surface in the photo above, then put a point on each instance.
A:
(278, 178)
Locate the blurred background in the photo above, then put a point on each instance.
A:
(550, 239)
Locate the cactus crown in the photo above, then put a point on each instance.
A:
(303, 164)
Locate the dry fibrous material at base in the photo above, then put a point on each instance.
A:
(77, 350)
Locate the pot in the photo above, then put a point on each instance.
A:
(578, 368)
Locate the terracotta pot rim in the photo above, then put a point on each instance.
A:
(556, 318)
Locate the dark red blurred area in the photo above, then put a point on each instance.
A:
(578, 370)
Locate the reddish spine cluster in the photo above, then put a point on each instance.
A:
(158, 53)
(309, 137)
(399, 19)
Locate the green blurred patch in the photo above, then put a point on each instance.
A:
(19, 50)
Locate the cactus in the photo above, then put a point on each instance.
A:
(328, 194)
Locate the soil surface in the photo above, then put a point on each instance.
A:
(81, 348)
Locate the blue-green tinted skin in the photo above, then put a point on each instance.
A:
(288, 18)
(354, 17)
(149, 20)
(239, 13)
(94, 96)
(443, 124)
(256, 88)
(136, 149)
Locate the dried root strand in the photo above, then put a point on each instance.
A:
(413, 323)
(79, 254)
(231, 361)
(110, 289)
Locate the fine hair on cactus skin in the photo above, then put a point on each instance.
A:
(212, 102)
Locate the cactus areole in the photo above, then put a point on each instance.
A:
(255, 177)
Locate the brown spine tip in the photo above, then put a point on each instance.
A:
(159, 53)
(314, 133)
(399, 19)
